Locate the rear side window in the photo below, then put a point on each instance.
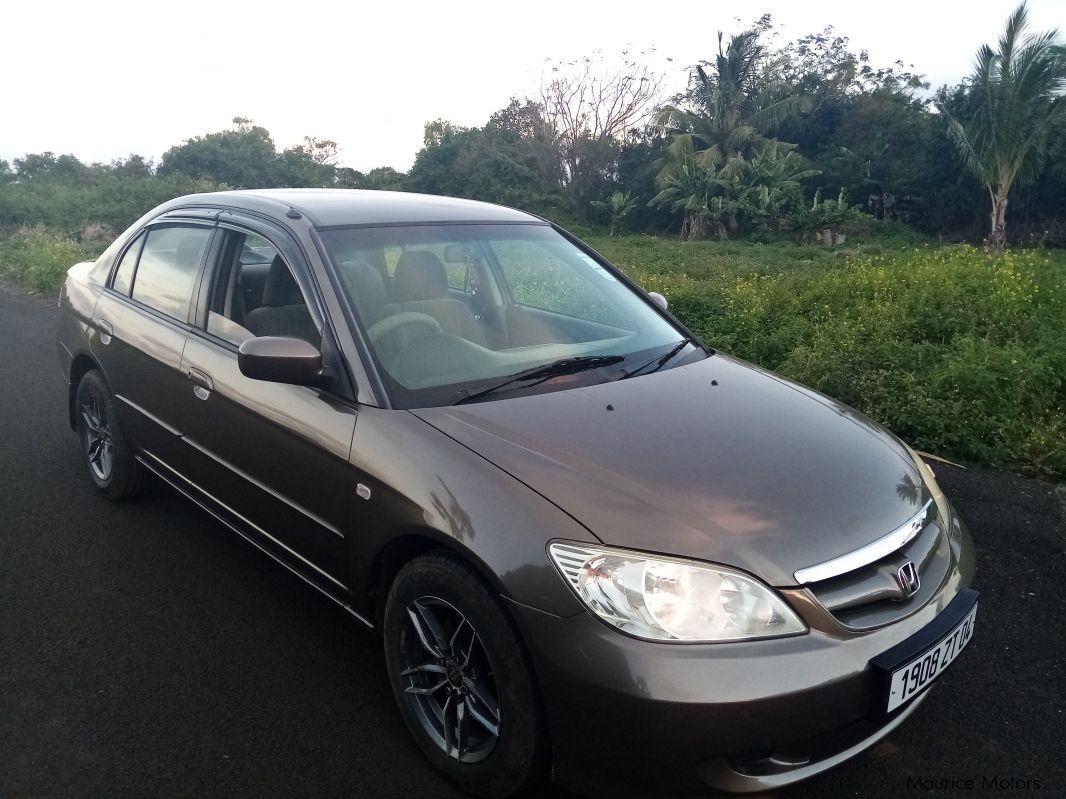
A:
(124, 274)
(170, 261)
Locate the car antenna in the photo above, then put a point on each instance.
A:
(292, 213)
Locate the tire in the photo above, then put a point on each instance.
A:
(444, 627)
(105, 452)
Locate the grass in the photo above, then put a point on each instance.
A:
(37, 258)
(960, 353)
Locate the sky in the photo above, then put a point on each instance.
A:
(105, 79)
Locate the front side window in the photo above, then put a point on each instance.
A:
(168, 268)
(254, 293)
(449, 310)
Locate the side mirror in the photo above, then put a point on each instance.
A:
(280, 360)
(658, 299)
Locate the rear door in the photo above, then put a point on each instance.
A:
(272, 456)
(143, 320)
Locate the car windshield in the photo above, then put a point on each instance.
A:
(451, 310)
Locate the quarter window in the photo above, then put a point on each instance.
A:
(124, 274)
(169, 264)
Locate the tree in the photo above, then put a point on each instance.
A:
(37, 166)
(1016, 90)
(616, 207)
(765, 187)
(595, 101)
(321, 151)
(136, 166)
(726, 111)
(482, 165)
(691, 189)
(384, 178)
(242, 158)
(590, 106)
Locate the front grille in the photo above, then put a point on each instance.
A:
(871, 596)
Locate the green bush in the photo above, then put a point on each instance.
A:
(37, 258)
(109, 199)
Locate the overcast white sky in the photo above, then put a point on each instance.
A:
(113, 77)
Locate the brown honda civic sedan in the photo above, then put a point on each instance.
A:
(593, 547)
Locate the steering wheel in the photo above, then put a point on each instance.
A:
(392, 334)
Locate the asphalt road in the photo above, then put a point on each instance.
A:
(147, 651)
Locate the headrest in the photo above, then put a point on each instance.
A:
(280, 287)
(419, 275)
(367, 287)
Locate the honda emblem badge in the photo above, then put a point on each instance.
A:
(908, 579)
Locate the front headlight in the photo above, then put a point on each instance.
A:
(668, 599)
(931, 485)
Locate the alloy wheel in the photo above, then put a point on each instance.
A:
(450, 680)
(97, 437)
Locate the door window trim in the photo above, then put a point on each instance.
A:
(343, 386)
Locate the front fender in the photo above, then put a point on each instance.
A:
(422, 483)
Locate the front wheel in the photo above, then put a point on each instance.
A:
(110, 461)
(461, 677)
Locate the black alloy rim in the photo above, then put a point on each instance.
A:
(449, 679)
(97, 435)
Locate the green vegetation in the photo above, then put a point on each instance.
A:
(957, 351)
(38, 258)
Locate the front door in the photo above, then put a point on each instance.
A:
(274, 456)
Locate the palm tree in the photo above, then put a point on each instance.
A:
(616, 206)
(725, 112)
(693, 190)
(1017, 92)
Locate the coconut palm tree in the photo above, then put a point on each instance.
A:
(725, 112)
(1017, 91)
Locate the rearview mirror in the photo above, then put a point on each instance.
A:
(456, 253)
(280, 360)
(658, 299)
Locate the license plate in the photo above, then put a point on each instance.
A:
(914, 676)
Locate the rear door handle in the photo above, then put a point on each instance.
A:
(202, 386)
(106, 331)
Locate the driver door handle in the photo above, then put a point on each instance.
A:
(202, 386)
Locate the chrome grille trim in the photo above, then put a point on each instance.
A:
(868, 554)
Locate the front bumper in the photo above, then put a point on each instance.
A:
(738, 717)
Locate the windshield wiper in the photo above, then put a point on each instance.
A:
(659, 362)
(564, 366)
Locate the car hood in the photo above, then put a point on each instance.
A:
(716, 460)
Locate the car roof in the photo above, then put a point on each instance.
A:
(326, 208)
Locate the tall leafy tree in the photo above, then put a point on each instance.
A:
(1017, 94)
(727, 111)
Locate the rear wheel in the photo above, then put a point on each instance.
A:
(462, 678)
(108, 457)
